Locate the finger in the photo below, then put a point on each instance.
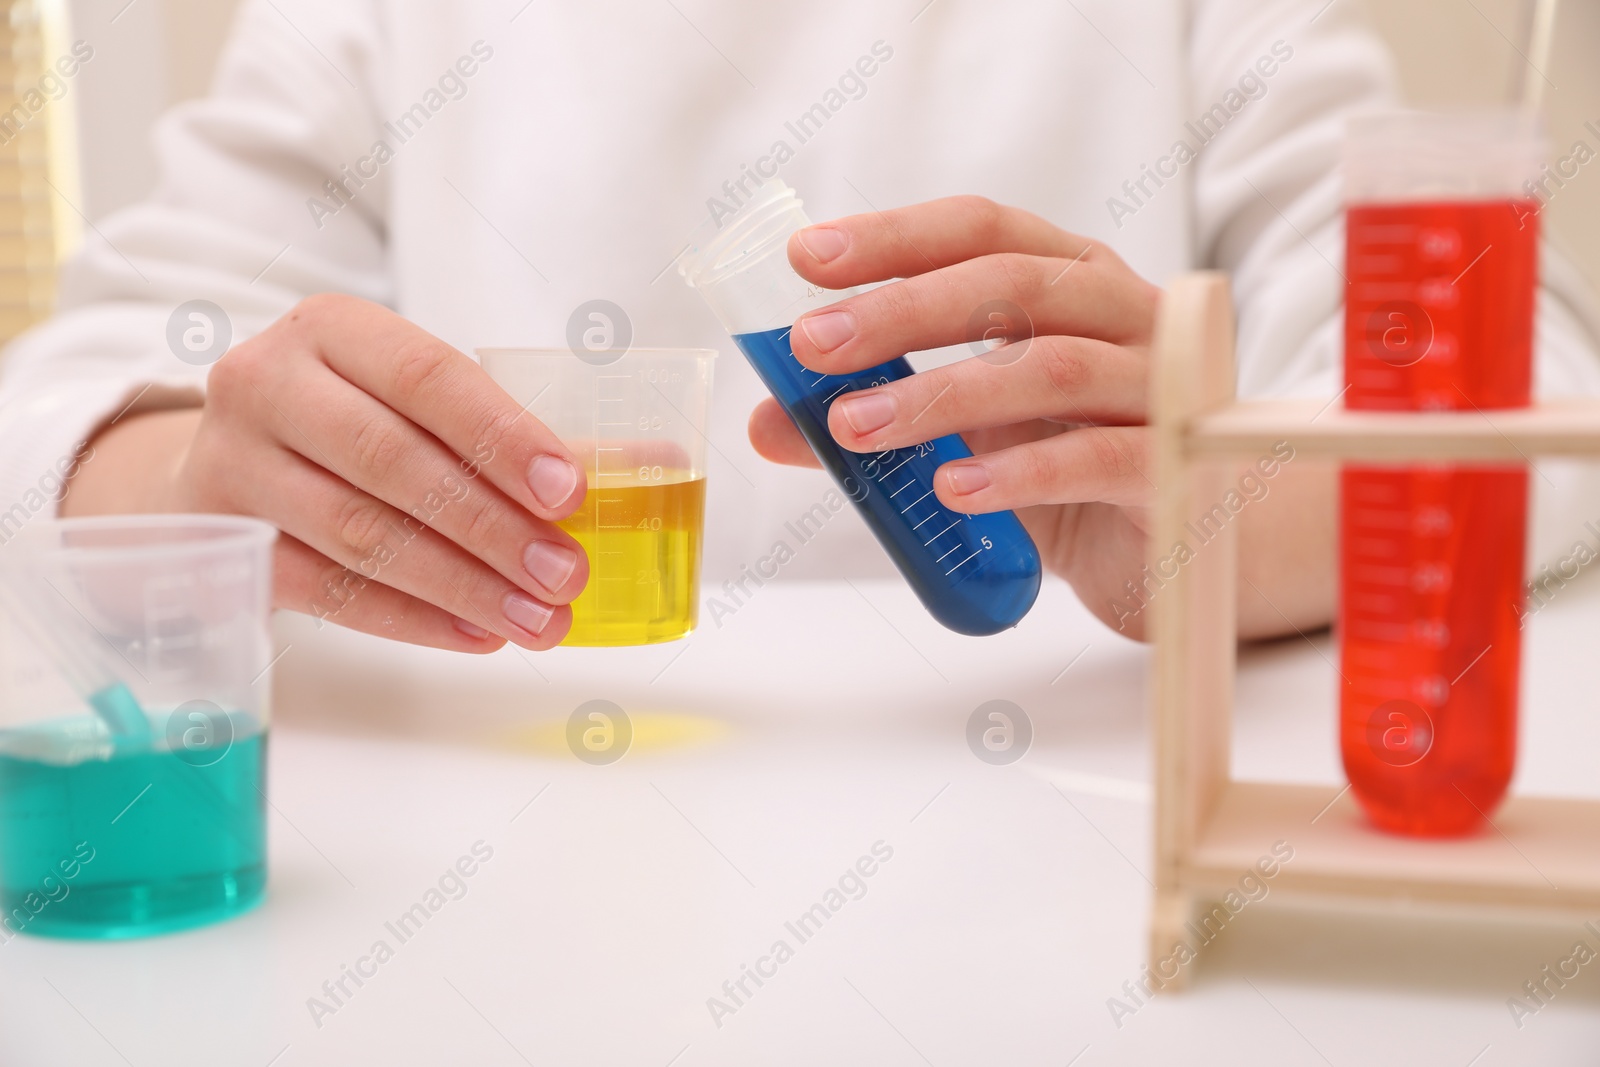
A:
(306, 581)
(908, 241)
(1072, 378)
(377, 451)
(1095, 463)
(776, 438)
(380, 543)
(1009, 295)
(448, 395)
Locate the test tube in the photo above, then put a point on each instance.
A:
(1442, 242)
(976, 574)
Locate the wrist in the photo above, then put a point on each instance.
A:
(132, 465)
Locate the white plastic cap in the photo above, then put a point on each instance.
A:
(1408, 156)
(724, 246)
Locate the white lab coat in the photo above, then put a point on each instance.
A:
(588, 139)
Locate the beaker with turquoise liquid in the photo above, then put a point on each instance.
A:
(134, 697)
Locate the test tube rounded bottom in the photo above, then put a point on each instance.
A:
(1430, 619)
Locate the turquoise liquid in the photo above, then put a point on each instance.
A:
(103, 839)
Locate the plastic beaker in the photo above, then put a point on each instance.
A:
(158, 824)
(635, 419)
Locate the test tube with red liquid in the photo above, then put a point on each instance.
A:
(1442, 243)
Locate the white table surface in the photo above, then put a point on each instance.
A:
(770, 754)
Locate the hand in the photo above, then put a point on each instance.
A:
(416, 499)
(1054, 416)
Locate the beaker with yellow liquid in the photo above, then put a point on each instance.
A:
(634, 418)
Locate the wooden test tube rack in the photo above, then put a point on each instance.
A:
(1210, 829)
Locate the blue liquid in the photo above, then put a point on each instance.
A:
(100, 838)
(976, 574)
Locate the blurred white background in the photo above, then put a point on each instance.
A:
(158, 52)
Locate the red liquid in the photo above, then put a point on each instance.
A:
(1438, 315)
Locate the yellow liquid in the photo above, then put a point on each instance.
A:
(643, 543)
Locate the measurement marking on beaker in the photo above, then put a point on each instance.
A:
(915, 502)
(897, 466)
(614, 424)
(931, 516)
(941, 533)
(903, 488)
(947, 552)
(958, 566)
(836, 392)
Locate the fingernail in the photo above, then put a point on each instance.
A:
(477, 633)
(829, 330)
(552, 480)
(824, 243)
(550, 564)
(967, 478)
(867, 413)
(526, 612)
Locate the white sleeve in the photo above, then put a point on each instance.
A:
(1267, 189)
(1268, 210)
(1565, 492)
(229, 223)
(1268, 196)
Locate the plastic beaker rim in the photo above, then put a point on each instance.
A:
(226, 533)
